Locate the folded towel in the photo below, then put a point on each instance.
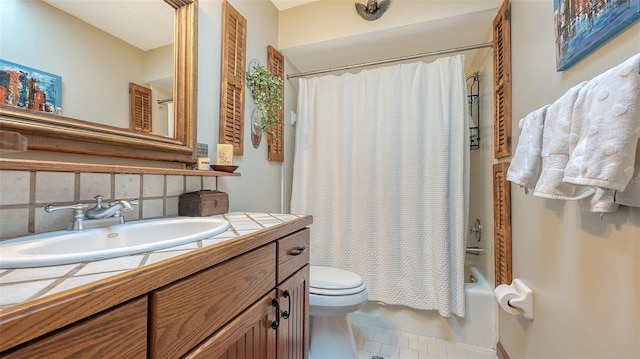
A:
(526, 162)
(601, 202)
(605, 128)
(631, 194)
(555, 150)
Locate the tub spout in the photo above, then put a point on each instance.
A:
(476, 251)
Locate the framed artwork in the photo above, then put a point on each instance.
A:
(584, 25)
(25, 87)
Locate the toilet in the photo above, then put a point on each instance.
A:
(333, 294)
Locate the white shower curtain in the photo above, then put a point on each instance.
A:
(382, 164)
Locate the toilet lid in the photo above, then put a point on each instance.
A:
(334, 281)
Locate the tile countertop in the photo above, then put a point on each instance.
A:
(20, 286)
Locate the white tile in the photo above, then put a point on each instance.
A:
(18, 293)
(14, 222)
(152, 208)
(78, 281)
(437, 348)
(55, 187)
(172, 206)
(371, 346)
(54, 221)
(127, 186)
(364, 354)
(408, 354)
(93, 184)
(418, 345)
(152, 185)
(160, 256)
(382, 337)
(110, 265)
(33, 274)
(175, 185)
(15, 188)
(390, 350)
(193, 183)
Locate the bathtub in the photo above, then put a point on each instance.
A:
(478, 327)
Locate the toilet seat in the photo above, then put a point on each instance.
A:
(334, 281)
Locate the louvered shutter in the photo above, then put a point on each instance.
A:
(502, 223)
(275, 63)
(139, 108)
(502, 81)
(234, 37)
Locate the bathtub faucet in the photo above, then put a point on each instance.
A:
(476, 251)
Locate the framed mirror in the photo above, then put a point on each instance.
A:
(61, 133)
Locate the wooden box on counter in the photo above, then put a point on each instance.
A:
(203, 203)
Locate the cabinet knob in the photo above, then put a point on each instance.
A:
(298, 251)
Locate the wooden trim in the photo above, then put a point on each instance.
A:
(502, 224)
(140, 119)
(232, 78)
(275, 64)
(49, 132)
(501, 353)
(502, 81)
(32, 165)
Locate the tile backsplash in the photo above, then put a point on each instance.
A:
(24, 194)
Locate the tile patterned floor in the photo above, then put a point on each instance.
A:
(383, 343)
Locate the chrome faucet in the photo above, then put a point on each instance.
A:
(96, 217)
(114, 210)
(474, 250)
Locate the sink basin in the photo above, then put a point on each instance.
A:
(64, 247)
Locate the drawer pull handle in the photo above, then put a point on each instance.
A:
(299, 251)
(276, 323)
(287, 313)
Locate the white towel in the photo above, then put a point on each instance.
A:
(631, 194)
(526, 162)
(555, 150)
(600, 202)
(605, 128)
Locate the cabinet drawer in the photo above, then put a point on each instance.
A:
(120, 332)
(185, 313)
(293, 253)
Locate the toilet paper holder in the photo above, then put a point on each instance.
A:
(516, 298)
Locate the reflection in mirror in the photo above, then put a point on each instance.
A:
(96, 69)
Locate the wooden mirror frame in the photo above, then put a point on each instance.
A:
(63, 134)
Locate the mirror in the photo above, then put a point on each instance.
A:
(85, 135)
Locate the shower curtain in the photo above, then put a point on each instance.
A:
(382, 164)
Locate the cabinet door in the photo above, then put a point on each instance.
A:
(120, 332)
(293, 334)
(185, 313)
(249, 336)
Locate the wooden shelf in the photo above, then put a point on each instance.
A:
(31, 165)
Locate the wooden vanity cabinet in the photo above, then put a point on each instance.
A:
(253, 304)
(120, 332)
(276, 326)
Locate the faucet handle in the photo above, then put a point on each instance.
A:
(78, 212)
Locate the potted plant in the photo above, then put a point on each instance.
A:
(266, 89)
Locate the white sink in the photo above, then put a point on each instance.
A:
(63, 247)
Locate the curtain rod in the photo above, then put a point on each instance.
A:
(395, 59)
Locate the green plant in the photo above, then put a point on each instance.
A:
(266, 89)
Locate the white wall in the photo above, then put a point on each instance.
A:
(95, 84)
(584, 270)
(259, 187)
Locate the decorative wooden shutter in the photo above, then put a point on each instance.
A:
(232, 80)
(275, 63)
(502, 223)
(139, 108)
(502, 81)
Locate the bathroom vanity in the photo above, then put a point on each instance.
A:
(246, 297)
